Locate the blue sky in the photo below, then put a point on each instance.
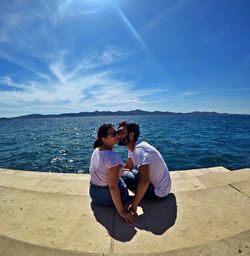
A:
(86, 55)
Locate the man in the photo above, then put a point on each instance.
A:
(151, 178)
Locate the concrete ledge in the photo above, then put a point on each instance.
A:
(242, 186)
(202, 171)
(235, 245)
(51, 214)
(221, 179)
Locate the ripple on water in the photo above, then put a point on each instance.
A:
(65, 144)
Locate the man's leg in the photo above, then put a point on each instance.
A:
(150, 192)
(123, 191)
(131, 179)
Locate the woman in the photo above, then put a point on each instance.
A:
(106, 168)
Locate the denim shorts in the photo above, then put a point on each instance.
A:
(131, 178)
(101, 195)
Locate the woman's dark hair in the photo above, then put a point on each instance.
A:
(102, 132)
(131, 127)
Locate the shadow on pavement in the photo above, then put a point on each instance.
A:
(110, 219)
(158, 216)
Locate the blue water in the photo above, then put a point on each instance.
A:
(185, 142)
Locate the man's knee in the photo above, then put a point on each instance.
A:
(130, 179)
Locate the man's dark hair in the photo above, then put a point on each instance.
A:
(132, 127)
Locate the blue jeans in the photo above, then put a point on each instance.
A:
(102, 196)
(131, 178)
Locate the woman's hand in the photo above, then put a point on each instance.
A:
(133, 209)
(128, 216)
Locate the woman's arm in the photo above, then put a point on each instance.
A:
(113, 176)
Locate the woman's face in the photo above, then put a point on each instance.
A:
(112, 136)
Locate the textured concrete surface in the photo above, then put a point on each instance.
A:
(242, 186)
(199, 217)
(207, 213)
(221, 179)
(202, 171)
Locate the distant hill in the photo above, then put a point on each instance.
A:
(115, 113)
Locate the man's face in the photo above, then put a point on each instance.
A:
(123, 136)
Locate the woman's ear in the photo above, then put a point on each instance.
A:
(103, 139)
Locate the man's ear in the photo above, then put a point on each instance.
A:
(132, 136)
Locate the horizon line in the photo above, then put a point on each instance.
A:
(128, 111)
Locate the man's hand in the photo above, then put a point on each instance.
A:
(128, 216)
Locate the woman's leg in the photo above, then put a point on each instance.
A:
(102, 196)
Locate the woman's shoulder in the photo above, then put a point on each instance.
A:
(105, 153)
(112, 156)
(95, 151)
(110, 153)
(112, 159)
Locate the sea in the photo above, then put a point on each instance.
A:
(64, 144)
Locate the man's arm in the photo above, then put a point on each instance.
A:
(142, 186)
(129, 165)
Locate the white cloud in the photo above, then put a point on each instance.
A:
(8, 81)
(213, 76)
(214, 36)
(57, 80)
(226, 92)
(165, 15)
(68, 9)
(189, 93)
(111, 55)
(8, 22)
(74, 90)
(88, 12)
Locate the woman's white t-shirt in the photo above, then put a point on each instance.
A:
(101, 161)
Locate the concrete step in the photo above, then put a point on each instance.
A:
(78, 184)
(70, 222)
(208, 180)
(243, 169)
(197, 172)
(72, 184)
(236, 245)
(202, 216)
(221, 179)
(53, 220)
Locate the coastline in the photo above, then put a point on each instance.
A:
(137, 112)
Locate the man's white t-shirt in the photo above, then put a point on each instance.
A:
(101, 161)
(144, 154)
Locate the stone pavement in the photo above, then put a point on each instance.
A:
(207, 213)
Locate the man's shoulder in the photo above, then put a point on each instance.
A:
(142, 145)
(146, 147)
